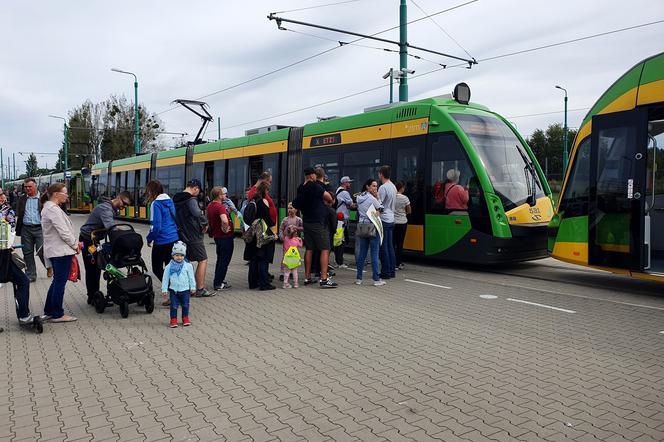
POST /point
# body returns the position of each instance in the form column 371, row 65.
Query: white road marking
column 541, row 305
column 488, row 296
column 428, row 283
column 574, row 295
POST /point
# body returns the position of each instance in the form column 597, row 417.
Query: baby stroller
column 121, row 250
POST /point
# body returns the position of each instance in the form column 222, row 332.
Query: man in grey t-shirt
column 387, row 194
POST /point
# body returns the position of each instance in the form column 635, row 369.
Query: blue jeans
column 388, row 258
column 259, row 276
column 179, row 299
column 224, row 254
column 56, row 292
column 365, row 245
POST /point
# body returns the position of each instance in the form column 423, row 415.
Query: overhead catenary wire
column 316, row 7
column 258, row 77
column 441, row 28
column 453, row 66
column 350, row 43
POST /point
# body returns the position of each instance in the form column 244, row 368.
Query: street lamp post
column 137, row 138
column 564, row 133
column 66, row 146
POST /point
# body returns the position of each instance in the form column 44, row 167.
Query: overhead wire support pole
column 403, row 51
column 279, row 20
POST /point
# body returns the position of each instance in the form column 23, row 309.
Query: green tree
column 31, row 168
column 547, row 145
column 118, row 133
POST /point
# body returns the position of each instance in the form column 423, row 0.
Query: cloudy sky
column 57, row 54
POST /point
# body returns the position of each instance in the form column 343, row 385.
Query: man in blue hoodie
column 163, row 230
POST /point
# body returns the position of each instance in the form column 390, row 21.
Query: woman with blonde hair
column 60, row 243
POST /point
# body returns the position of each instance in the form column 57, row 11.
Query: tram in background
column 78, row 182
column 509, row 200
column 611, row 210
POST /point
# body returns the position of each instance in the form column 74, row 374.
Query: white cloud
column 58, row 54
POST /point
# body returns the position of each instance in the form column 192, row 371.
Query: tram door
column 654, row 204
column 616, row 218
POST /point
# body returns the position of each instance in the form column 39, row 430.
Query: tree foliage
column 547, row 145
column 31, row 168
column 105, row 131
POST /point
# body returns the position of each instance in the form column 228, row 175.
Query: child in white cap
column 179, row 283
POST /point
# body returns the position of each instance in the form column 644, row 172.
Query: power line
column 547, row 113
column 315, row 7
column 441, row 28
column 573, row 40
column 350, row 43
column 315, row 56
column 453, row 66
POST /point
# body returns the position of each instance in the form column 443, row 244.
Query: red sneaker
column 185, row 321
column 174, row 323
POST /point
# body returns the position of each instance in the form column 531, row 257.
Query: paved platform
column 559, row 354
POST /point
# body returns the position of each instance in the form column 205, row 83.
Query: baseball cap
column 195, row 183
column 309, row 171
column 346, row 179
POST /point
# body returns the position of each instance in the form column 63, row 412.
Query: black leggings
column 161, row 255
column 399, row 237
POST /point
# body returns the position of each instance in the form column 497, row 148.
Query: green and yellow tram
column 78, row 183
column 611, row 210
column 509, row 200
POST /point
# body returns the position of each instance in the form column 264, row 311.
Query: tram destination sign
column 325, row 140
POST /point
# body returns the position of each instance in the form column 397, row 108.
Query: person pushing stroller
column 179, row 284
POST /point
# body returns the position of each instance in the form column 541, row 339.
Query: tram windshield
column 504, row 158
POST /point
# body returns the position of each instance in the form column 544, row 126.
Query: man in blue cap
column 192, row 225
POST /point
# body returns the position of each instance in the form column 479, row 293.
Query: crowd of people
column 178, row 227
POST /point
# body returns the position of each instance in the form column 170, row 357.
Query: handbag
column 74, row 270
column 365, row 230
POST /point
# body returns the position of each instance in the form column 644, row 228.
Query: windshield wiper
column 529, row 169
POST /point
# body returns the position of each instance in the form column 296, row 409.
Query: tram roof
column 642, row 84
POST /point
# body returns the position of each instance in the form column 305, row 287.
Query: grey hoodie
column 189, row 217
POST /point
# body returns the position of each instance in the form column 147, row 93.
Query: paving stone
column 346, row 364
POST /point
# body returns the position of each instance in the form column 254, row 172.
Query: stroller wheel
column 99, row 302
column 149, row 302
column 37, row 325
column 124, row 309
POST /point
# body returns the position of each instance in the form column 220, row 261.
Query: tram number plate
column 630, row 189
column 325, row 140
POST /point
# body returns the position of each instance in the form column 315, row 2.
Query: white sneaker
column 358, row 282
column 379, row 283
column 343, row 266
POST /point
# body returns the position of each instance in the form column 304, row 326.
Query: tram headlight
column 462, row 93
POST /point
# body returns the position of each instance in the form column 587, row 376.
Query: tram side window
column 328, row 161
column 102, row 183
column 271, row 164
column 574, row 202
column 238, row 180
column 219, row 178
column 409, row 169
column 198, row 171
column 142, row 180
column 360, row 166
column 131, row 182
column 172, row 178
column 449, row 160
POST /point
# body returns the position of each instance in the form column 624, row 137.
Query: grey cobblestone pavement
column 407, row 361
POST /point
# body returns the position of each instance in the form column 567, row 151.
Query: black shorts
column 196, row 251
column 316, row 237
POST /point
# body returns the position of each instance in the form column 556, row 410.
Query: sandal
column 65, row 318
